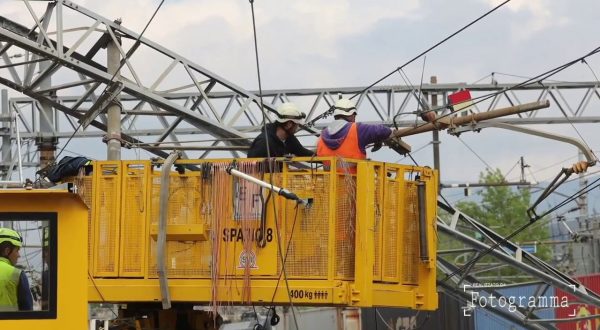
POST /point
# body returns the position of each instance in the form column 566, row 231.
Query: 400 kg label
column 309, row 294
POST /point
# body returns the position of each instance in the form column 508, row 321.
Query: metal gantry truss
column 55, row 57
column 45, row 60
column 142, row 122
column 478, row 245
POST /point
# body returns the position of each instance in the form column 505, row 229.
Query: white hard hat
column 344, row 107
column 289, row 111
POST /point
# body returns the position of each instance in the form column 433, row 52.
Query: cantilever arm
column 444, row 122
column 589, row 155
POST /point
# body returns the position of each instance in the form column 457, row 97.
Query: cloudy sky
column 341, row 43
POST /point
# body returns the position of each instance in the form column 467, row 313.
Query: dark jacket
column 277, row 148
column 24, row 294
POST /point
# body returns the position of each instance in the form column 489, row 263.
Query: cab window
column 28, row 262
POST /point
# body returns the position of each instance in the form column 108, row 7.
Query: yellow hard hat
column 9, row 235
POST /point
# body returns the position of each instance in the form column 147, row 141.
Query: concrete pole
column 5, row 134
column 436, row 134
column 114, row 109
column 46, row 140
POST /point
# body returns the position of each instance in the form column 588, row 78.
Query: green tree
column 504, row 210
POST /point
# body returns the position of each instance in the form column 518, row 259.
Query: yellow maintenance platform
column 363, row 236
column 358, row 243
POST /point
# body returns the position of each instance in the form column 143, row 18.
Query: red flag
column 460, row 100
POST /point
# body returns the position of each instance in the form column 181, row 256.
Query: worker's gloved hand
column 377, row 146
column 580, row 167
column 428, row 116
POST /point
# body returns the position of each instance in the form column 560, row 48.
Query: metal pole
column 522, row 161
column 5, row 132
column 21, row 180
column 280, row 191
column 583, row 199
column 436, row 134
column 113, row 129
column 46, row 141
column 423, row 248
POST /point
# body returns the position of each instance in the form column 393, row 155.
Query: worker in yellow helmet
column 14, row 286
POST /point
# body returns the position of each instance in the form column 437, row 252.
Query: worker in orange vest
column 344, row 137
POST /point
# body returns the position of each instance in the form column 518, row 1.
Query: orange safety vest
column 348, row 149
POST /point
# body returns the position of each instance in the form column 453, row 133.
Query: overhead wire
column 487, row 251
column 571, row 198
column 583, row 175
column 554, row 164
column 512, row 168
column 480, row 79
column 270, row 164
column 590, row 67
column 407, row 81
column 284, row 260
column 570, row 240
column 524, row 77
column 482, row 254
column 431, row 48
column 122, row 62
column 100, row 293
column 415, row 151
column 535, row 80
column 570, row 122
column 475, row 153
column 531, row 173
column 382, row 319
column 398, row 69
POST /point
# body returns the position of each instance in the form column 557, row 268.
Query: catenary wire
column 475, row 153
column 431, row 48
column 415, row 151
column 382, row 319
column 535, row 80
column 590, row 67
column 284, row 260
column 516, row 232
column 270, row 164
column 480, row 79
column 398, row 69
column 524, row 77
column 512, row 168
column 571, row 198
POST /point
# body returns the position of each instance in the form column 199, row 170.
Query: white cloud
column 539, row 16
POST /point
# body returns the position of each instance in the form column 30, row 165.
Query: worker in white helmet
column 346, row 138
column 281, row 139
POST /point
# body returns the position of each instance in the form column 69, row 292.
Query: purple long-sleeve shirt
column 335, row 134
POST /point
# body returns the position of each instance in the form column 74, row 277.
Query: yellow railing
column 358, row 243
